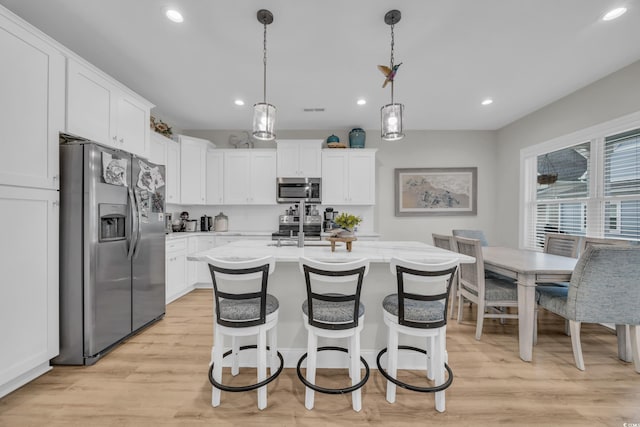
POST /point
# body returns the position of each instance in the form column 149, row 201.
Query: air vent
column 313, row 110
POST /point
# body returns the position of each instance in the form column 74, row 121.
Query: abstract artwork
column 436, row 191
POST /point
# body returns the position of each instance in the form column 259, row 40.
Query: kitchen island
column 287, row 284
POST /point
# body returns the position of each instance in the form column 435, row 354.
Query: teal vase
column 356, row 138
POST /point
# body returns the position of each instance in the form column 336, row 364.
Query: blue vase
column 356, row 138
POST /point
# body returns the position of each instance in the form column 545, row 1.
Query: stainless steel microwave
column 293, row 190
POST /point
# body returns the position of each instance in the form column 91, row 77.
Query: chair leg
column 567, row 328
column 439, row 348
column 431, row 348
column 356, row 396
column 312, row 357
column 634, row 331
column 262, row 368
column 235, row 356
column 350, row 355
column 535, row 326
column 575, row 343
column 460, row 307
column 218, row 349
column 392, row 363
column 480, row 320
column 273, row 352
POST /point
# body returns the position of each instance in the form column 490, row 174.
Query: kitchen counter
column 287, row 284
column 182, row 234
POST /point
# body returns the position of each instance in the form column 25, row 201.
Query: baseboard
column 26, row 377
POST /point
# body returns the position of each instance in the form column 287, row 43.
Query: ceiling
column 323, row 54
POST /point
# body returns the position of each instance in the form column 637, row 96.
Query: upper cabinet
column 250, row 177
column 172, row 171
column 193, row 170
column 215, row 177
column 349, row 176
column 158, row 148
column 299, row 158
column 31, row 106
column 100, row 110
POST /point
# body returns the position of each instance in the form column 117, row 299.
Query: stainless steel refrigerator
column 112, row 249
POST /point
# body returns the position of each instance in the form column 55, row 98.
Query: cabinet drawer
column 176, row 245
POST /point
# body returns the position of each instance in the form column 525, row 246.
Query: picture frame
column 436, row 191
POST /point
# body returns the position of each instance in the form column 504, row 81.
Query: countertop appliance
column 329, row 216
column 289, row 225
column 293, row 190
column 112, row 246
column 206, row 223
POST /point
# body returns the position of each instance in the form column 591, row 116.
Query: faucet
column 301, row 212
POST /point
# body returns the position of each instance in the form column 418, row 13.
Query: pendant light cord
column 391, row 61
column 264, row 61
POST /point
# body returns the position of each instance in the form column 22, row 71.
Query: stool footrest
column 333, row 390
column 409, row 386
column 250, row 387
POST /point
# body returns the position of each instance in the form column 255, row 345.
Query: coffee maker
column 206, row 223
column 329, row 216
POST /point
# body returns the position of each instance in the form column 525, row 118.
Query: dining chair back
column 603, row 289
column 446, row 242
column 489, row 293
column 562, row 244
column 588, row 241
column 471, row 234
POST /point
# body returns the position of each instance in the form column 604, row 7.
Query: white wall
column 418, row 149
column 613, row 96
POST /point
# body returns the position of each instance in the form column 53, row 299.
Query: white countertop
column 183, row 234
column 375, row 251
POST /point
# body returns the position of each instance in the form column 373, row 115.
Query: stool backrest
column 422, row 281
column 443, row 241
column 334, row 282
column 241, row 279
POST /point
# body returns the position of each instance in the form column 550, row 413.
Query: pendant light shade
column 264, row 114
column 391, row 114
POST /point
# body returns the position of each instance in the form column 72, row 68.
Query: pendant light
column 391, row 114
column 264, row 114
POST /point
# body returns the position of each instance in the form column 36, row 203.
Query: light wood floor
column 159, row 377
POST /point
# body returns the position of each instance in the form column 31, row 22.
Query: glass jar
column 356, row 138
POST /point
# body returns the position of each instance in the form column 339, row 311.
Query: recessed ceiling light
column 487, row 101
column 361, row 101
column 174, row 15
column 238, row 102
column 615, row 13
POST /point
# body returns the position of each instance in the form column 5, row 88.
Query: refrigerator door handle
column 139, row 221
column 134, row 225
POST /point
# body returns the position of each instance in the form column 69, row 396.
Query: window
column 586, row 183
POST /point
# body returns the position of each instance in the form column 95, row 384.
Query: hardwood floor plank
column 159, row 378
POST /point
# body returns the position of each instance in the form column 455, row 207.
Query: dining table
column 528, row 268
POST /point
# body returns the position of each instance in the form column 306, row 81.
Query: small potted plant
column 347, row 222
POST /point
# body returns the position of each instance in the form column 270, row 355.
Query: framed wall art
column 436, row 191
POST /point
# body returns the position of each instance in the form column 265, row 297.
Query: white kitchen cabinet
column 172, row 171
column 29, row 301
column 299, row 158
column 250, row 177
column 192, row 267
column 100, row 110
column 158, row 148
column 203, row 274
column 349, row 176
column 32, row 103
column 215, row 177
column 193, row 170
column 176, row 268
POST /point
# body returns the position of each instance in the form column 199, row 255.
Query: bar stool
column 241, row 311
column 419, row 309
column 333, row 310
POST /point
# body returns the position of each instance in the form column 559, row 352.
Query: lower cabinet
column 29, row 299
column 176, row 265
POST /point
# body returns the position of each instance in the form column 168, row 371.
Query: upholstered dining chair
column 588, row 241
column 562, row 244
column 446, row 242
column 471, row 234
column 603, row 289
column 489, row 293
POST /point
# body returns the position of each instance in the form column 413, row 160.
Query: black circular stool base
column 333, row 390
column 250, row 387
column 409, row 386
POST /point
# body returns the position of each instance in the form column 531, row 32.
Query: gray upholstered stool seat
column 417, row 311
column 332, row 312
column 248, row 309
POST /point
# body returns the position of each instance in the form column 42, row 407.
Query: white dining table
column 528, row 268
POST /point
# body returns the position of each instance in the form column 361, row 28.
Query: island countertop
column 374, row 251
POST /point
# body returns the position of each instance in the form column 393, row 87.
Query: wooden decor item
column 346, row 240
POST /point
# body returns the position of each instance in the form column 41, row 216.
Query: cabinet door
column 158, row 149
column 361, row 178
column 176, row 275
column 334, row 177
column 263, row 178
column 310, row 159
column 132, row 125
column 193, row 175
column 29, row 294
column 287, row 159
column 237, row 177
column 215, row 177
column 172, row 172
column 89, row 105
column 192, row 266
column 31, row 108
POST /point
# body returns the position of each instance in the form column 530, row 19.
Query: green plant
column 348, row 221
